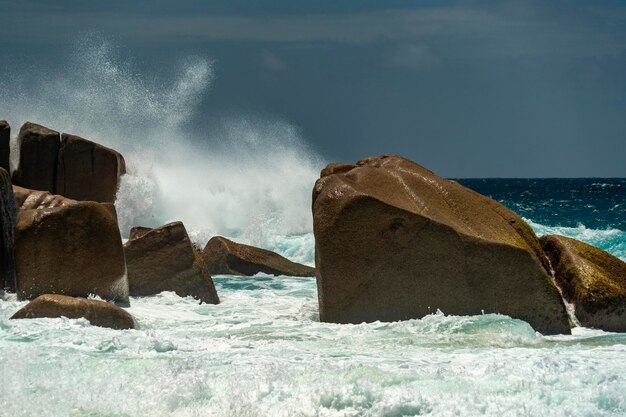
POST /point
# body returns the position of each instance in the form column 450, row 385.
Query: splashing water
column 251, row 181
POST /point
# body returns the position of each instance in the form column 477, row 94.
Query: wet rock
column 593, row 280
column 73, row 250
column 27, row 199
column 39, row 150
column 164, row 259
column 5, row 141
column 8, row 218
column 395, row 241
column 224, row 256
column 98, row 313
column 87, row 170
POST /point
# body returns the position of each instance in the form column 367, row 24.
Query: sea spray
column 250, row 179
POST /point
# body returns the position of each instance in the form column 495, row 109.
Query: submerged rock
column 39, row 150
column 98, row 313
column 74, row 250
column 394, row 241
column 27, row 199
column 165, row 259
column 5, row 143
column 224, row 256
column 8, row 219
column 87, row 170
column 593, row 280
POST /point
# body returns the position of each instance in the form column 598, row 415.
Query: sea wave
column 249, row 177
column 610, row 240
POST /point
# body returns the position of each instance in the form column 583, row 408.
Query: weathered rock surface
column 223, row 256
column 68, row 165
column 8, row 219
column 27, row 199
column 39, row 150
column 5, row 141
column 164, row 259
column 98, row 313
column 138, row 231
column 73, row 250
column 87, row 170
column 591, row 279
column 395, row 241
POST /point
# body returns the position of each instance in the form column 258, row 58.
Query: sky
column 467, row 88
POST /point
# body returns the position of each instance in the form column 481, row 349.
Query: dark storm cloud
column 491, row 88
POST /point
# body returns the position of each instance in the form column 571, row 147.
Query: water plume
column 249, row 179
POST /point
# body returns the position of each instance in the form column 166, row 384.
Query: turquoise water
column 263, row 352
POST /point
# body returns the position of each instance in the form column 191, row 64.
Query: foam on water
column 262, row 352
column 611, row 240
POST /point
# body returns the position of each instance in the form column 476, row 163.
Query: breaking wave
column 250, row 179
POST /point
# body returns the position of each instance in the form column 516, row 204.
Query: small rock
column 223, row 256
column 98, row 313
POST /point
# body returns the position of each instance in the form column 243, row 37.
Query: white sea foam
column 262, row 352
column 251, row 179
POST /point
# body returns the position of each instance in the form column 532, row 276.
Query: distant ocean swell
column 611, row 240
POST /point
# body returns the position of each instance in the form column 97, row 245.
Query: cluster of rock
column 394, row 241
column 61, row 241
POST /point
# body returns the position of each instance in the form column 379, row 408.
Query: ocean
column 263, row 351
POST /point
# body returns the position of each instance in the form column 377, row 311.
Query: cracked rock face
column 395, row 241
column 68, row 165
column 593, row 280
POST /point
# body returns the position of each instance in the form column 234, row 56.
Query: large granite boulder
column 68, row 165
column 8, row 219
column 164, row 259
column 27, row 199
column 73, row 250
column 224, row 256
column 39, row 150
column 98, row 313
column 394, row 241
column 5, row 145
column 593, row 280
column 87, row 170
